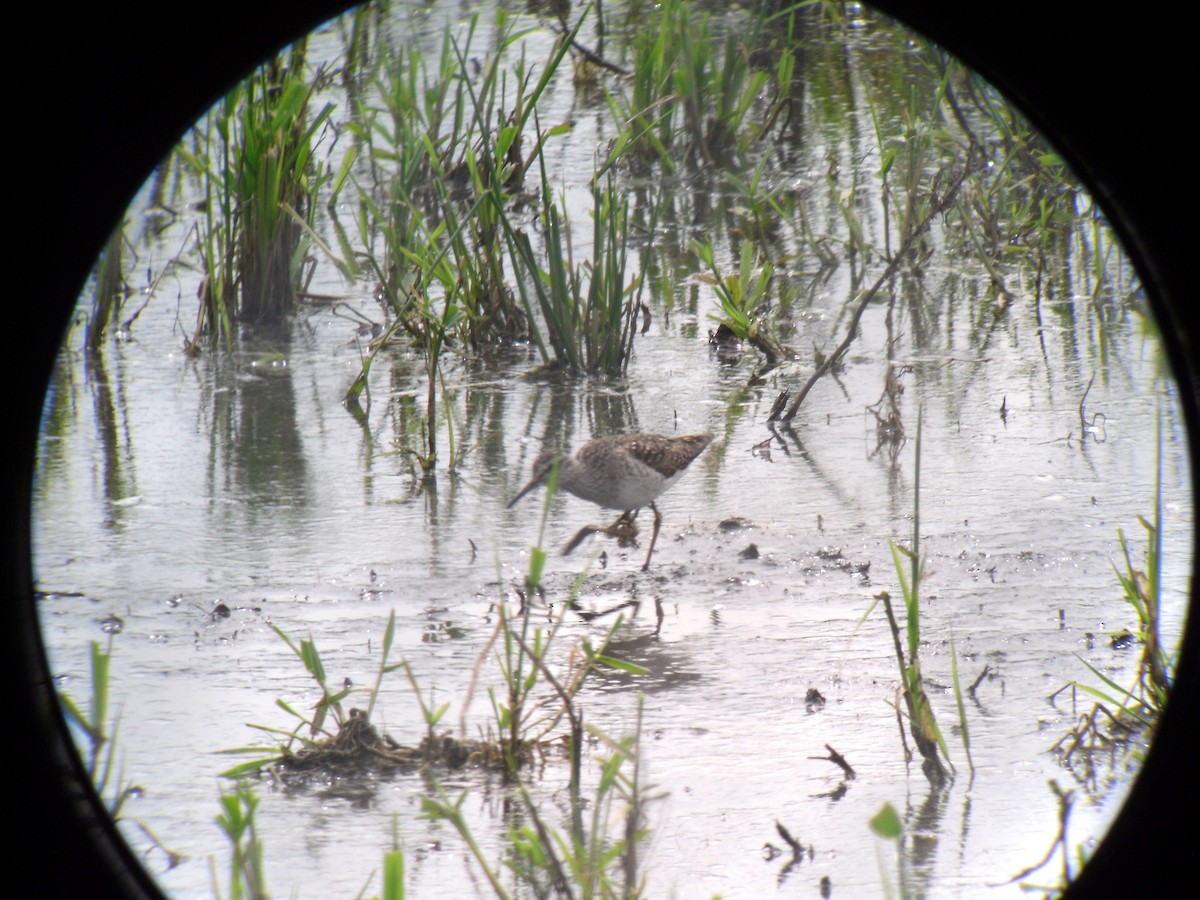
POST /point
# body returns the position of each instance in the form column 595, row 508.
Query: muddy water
column 169, row 485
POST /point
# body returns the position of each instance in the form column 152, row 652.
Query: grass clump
column 247, row 878
column 254, row 157
column 1121, row 714
column 587, row 310
column 922, row 724
column 744, row 299
column 99, row 730
column 696, row 98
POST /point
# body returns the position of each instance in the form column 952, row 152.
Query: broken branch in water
column 940, row 205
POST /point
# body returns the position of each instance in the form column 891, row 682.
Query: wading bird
column 625, row 472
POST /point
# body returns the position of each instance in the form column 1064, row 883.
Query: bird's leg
column 653, row 537
column 583, row 533
column 623, row 530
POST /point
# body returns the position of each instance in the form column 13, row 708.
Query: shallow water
column 168, row 484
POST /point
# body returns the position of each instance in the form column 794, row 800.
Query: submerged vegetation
column 810, row 203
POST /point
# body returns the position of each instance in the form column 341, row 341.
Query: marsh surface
column 169, row 484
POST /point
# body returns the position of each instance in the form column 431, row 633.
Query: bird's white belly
column 628, row 494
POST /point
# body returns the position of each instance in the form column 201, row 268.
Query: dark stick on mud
column 976, row 683
column 835, row 757
column 797, row 847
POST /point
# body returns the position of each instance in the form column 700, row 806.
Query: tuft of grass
column 588, row 310
column 100, row 732
column 693, row 97
column 247, row 878
column 593, row 856
column 922, row 723
column 1142, row 589
column 274, row 187
column 963, row 728
column 255, row 158
column 429, row 175
column 1121, row 713
column 393, row 875
column 331, row 700
column 743, row 297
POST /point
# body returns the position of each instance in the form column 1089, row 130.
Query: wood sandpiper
column 625, row 472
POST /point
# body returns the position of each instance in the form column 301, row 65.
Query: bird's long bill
column 534, row 482
column 542, row 474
